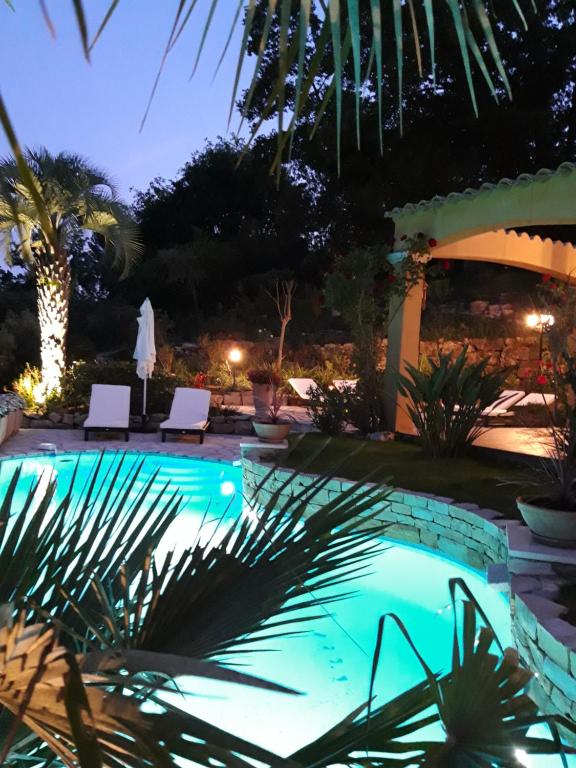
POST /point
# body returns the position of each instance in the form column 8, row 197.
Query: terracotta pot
column 272, row 433
column 263, row 395
column 555, row 527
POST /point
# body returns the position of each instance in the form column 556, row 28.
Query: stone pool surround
column 482, row 539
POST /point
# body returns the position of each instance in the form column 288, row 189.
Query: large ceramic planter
column 263, row 396
column 555, row 527
column 271, row 433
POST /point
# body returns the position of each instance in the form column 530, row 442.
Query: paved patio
column 223, row 447
column 512, row 440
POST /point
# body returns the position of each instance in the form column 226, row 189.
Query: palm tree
column 74, row 196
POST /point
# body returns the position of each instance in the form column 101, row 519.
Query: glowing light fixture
column 227, row 488
column 543, row 322
column 538, row 320
column 235, row 355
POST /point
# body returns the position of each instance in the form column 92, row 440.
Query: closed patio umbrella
column 145, row 351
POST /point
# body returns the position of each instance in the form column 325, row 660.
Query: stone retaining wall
column 480, row 538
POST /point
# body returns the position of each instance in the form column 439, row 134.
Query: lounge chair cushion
column 189, row 409
column 302, row 387
column 109, row 407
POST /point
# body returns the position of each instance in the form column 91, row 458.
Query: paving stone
column 403, row 532
column 428, row 538
column 553, row 637
column 423, row 513
column 439, row 506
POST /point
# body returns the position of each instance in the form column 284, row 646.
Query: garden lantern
column 234, row 357
column 544, row 323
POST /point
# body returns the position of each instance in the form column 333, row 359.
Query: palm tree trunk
column 52, row 273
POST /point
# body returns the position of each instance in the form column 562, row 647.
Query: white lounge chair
column 343, row 384
column 537, row 398
column 109, row 410
column 303, row 387
column 188, row 414
column 501, row 406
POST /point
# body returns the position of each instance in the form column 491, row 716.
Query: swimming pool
column 331, row 663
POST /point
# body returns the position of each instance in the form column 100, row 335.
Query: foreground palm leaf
column 480, row 703
column 345, row 31
column 81, row 717
column 253, row 579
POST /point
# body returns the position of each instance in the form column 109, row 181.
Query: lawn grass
column 490, row 483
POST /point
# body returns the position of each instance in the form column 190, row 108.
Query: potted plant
column 264, row 382
column 273, row 428
column 551, row 512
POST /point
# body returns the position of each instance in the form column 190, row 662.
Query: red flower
column 546, row 278
column 541, row 380
column 432, row 242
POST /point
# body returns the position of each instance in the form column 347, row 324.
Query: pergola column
column 403, row 347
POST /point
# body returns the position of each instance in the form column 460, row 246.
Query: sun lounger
column 188, row 414
column 109, row 410
column 345, row 384
column 502, row 406
column 537, row 398
column 303, row 387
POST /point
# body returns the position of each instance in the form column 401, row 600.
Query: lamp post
column 234, row 357
column 543, row 322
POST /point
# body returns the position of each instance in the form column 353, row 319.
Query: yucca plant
column 446, row 402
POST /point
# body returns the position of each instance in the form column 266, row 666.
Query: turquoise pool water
column 331, row 663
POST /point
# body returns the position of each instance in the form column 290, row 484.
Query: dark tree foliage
column 230, row 221
column 444, row 147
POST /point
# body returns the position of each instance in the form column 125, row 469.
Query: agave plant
column 447, row 402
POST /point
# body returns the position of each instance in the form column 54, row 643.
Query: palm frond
column 256, row 577
column 82, row 719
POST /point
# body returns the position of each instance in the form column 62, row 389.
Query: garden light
column 543, row 322
column 235, row 355
column 538, row 320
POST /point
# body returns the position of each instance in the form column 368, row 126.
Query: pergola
column 475, row 225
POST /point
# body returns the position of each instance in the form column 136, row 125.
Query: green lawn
column 492, row 484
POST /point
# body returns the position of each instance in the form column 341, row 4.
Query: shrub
column 29, row 385
column 366, row 404
column 328, row 409
column 78, row 380
column 446, row 403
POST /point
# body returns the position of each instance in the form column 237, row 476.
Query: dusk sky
column 55, row 98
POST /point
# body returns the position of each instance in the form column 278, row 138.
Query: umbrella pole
column 144, row 402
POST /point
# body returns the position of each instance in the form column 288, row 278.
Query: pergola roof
column 544, row 198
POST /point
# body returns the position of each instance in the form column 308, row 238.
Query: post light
column 234, row 357
column 542, row 321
